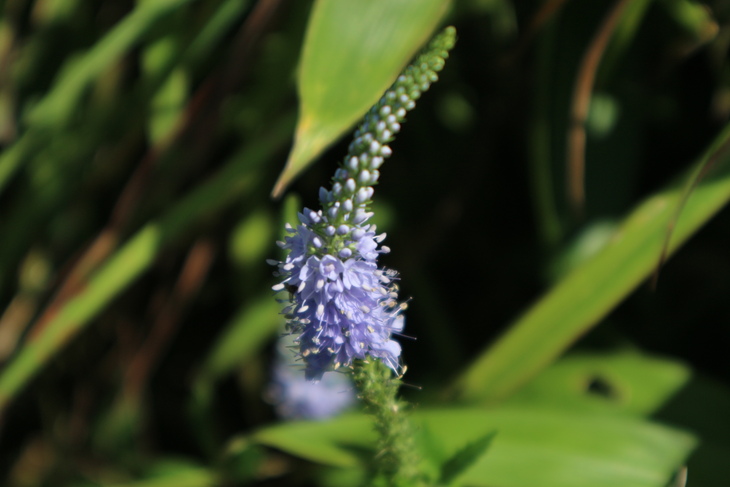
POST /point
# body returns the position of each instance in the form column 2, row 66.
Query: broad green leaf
column 352, row 52
column 621, row 382
column 589, row 292
column 532, row 446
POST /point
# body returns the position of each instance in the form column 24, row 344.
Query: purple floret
column 341, row 309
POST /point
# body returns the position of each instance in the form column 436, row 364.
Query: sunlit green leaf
column 352, row 52
column 622, row 382
column 583, row 297
column 532, row 446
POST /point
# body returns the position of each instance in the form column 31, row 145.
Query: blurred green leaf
column 622, row 382
column 76, row 75
column 136, row 256
column 251, row 239
column 533, row 447
column 63, row 100
column 623, row 37
column 352, row 52
column 173, row 473
column 253, row 324
column 335, row 442
column 256, row 320
column 169, row 102
column 463, row 459
column 695, row 19
column 582, row 298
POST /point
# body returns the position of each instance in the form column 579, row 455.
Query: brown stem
column 167, row 319
column 546, row 12
column 580, row 104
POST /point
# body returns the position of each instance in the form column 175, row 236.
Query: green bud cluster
column 346, row 204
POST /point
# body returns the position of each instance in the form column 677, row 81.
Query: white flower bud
column 364, row 177
column 350, row 186
column 361, row 196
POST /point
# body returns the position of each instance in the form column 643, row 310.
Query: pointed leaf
column 465, row 458
column 581, row 299
column 352, row 53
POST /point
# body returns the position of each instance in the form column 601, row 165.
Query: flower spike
column 343, row 306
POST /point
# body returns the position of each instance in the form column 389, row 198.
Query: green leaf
column 168, row 103
column 136, row 256
column 59, row 105
column 243, row 336
column 465, row 458
column 78, row 73
column 353, row 51
column 173, row 473
column 332, row 442
column 583, row 297
column 625, row 382
column 534, row 447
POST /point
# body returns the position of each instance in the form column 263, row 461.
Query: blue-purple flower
column 295, row 397
column 342, row 306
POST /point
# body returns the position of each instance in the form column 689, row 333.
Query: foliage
column 532, row 202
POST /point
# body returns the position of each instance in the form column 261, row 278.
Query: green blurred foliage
column 139, row 144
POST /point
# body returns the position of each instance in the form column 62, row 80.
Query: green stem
column 396, row 462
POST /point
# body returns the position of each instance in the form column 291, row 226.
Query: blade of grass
column 202, row 111
column 135, row 257
column 56, row 108
column 78, row 73
column 587, row 294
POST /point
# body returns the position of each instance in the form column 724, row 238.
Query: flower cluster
column 294, row 397
column 342, row 306
column 297, row 398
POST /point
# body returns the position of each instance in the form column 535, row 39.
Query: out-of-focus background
column 530, row 196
